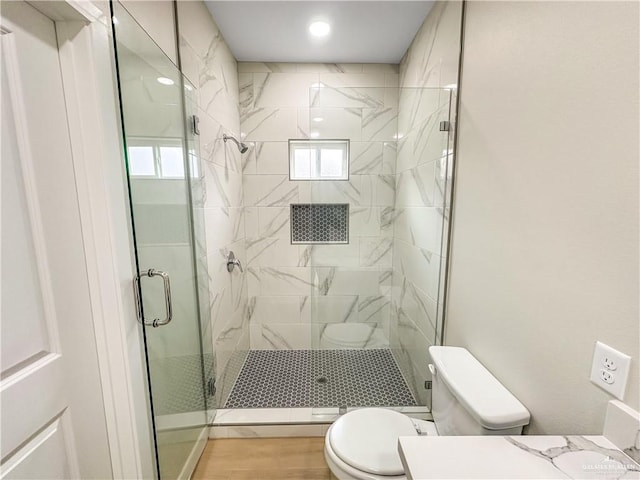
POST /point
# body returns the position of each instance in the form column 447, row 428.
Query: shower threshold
column 237, row 417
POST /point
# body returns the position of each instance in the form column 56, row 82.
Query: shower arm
column 226, row 137
column 241, row 146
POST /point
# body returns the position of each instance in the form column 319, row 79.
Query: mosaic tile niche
column 319, row 223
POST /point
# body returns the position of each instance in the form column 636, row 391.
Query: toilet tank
column 468, row 400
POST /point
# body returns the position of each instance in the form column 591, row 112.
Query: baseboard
column 196, row 452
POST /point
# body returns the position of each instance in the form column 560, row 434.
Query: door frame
column 88, row 75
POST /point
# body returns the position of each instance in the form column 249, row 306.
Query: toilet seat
column 367, row 440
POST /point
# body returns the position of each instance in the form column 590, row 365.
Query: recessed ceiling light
column 319, row 29
column 165, row 81
column 318, row 119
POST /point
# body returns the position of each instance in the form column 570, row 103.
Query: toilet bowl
column 467, row 400
column 362, row 444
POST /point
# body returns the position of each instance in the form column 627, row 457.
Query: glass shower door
column 163, row 178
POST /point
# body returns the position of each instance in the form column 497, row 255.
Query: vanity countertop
column 515, row 457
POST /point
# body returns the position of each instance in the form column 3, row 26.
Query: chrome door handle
column 156, row 322
column 233, row 262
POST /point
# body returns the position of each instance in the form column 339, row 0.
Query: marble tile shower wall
column 210, row 66
column 296, row 290
column 427, row 73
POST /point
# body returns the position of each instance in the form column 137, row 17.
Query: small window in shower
column 319, row 159
column 157, row 158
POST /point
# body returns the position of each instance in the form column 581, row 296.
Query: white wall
column 545, row 226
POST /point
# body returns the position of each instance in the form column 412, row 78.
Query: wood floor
column 294, row 458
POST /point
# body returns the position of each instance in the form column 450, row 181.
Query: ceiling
column 277, row 31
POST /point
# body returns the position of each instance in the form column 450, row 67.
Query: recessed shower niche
column 324, row 223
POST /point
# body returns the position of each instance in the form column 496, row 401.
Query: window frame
column 344, row 142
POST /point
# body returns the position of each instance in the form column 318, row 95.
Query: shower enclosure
column 336, row 210
column 350, row 296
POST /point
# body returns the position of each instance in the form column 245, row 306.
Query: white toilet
column 466, row 400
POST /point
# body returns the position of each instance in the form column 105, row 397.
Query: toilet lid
column 367, row 439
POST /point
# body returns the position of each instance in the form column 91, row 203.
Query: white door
column 52, row 414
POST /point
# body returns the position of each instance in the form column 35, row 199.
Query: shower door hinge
column 445, row 126
column 211, row 387
column 195, row 125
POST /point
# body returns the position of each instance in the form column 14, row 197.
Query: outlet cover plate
column 616, row 364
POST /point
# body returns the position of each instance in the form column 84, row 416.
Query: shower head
column 241, row 146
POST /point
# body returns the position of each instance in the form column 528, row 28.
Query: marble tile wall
column 211, row 70
column 295, row 291
column 428, row 74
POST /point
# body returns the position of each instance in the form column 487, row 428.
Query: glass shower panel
column 421, row 166
column 198, row 199
column 444, row 184
column 374, row 301
column 164, row 183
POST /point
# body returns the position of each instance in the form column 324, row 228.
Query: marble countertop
column 515, row 457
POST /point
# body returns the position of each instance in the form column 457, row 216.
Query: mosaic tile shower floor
column 320, row 378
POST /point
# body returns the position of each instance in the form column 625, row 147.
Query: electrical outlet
column 609, row 363
column 607, row 377
column 610, row 369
